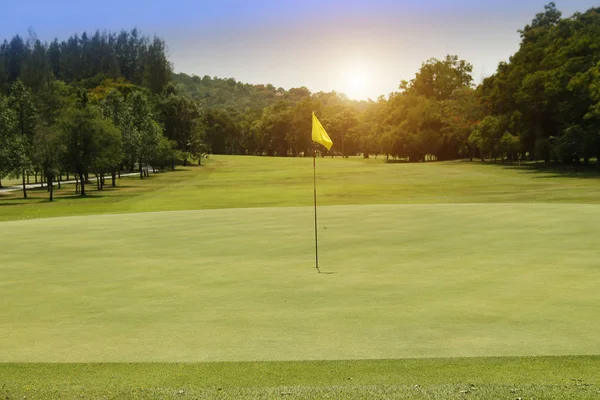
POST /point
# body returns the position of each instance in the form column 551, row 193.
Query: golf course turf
column 441, row 280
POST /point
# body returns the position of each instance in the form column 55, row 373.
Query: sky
column 361, row 48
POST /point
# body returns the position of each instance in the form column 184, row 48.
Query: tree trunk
column 35, row 177
column 114, row 178
column 141, row 171
column 24, row 186
column 51, row 186
column 67, row 175
column 82, row 181
column 0, row 182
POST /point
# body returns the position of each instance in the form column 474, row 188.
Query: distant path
column 39, row 185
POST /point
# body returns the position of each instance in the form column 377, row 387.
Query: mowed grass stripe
column 240, row 285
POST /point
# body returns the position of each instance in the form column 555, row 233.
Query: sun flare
column 356, row 82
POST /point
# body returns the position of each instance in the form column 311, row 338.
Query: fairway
column 440, row 281
column 258, row 182
column 432, row 280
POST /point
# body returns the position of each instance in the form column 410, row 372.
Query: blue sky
column 362, row 48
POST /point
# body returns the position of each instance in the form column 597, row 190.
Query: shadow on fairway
column 15, row 201
column 552, row 170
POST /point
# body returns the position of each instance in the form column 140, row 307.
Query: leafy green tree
column 21, row 101
column 487, row 137
column 83, row 133
column 108, row 154
column 8, row 131
column 509, row 147
column 549, row 84
column 438, row 79
column 163, row 153
column 179, row 116
column 47, row 152
column 144, row 133
column 460, row 115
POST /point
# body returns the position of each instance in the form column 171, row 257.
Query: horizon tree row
column 84, row 135
column 543, row 104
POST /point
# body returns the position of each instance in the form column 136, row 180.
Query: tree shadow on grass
column 550, row 171
column 78, row 197
column 19, row 201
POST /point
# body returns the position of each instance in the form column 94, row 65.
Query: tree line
column 92, row 105
column 542, row 104
column 107, row 102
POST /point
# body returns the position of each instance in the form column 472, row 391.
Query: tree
column 163, row 153
column 180, row 119
column 16, row 55
column 114, row 108
column 460, row 115
column 549, row 83
column 438, row 79
column 20, row 100
column 47, row 153
column 487, row 136
column 8, row 129
column 108, row 154
column 509, row 146
column 83, row 132
column 36, row 70
column 156, row 67
column 146, row 131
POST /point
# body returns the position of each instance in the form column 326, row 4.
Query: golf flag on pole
column 318, row 133
column 318, row 136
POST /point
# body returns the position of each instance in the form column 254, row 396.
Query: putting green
column 239, row 284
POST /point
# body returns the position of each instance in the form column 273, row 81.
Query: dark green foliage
column 544, row 104
column 548, row 87
column 180, row 118
column 227, row 93
column 91, row 143
column 129, row 55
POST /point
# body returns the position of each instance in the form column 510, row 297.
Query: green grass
column 484, row 378
column 233, row 182
column 422, row 261
column 240, row 285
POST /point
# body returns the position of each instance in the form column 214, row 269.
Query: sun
column 356, row 80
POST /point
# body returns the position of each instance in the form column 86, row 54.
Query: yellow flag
column 319, row 135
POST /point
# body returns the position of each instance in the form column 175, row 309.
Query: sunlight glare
column 356, row 82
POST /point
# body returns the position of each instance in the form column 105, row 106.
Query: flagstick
column 315, row 193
